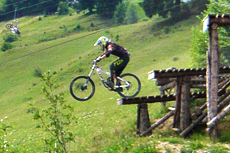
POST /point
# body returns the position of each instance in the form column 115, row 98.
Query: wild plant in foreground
column 55, row 119
column 3, row 133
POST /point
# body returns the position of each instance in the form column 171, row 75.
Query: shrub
column 38, row 72
column 166, row 29
column 91, row 25
column 71, row 11
column 77, row 28
column 6, row 46
column 117, row 37
column 10, row 38
column 175, row 58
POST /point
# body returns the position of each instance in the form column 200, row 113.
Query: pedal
column 119, row 89
column 110, row 89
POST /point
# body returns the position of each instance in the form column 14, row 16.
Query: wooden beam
column 147, row 99
column 216, row 119
column 183, row 72
column 221, row 20
column 167, row 116
column 200, row 118
column 188, row 129
column 165, row 98
column 168, row 86
column 154, row 99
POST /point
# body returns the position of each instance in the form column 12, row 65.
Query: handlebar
column 95, row 62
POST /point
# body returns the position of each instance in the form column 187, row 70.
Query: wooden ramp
column 182, row 80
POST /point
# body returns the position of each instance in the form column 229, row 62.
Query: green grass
column 102, row 125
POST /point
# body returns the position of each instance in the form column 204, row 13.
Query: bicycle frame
column 14, row 23
column 100, row 71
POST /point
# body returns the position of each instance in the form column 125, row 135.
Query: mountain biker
column 118, row 65
column 14, row 29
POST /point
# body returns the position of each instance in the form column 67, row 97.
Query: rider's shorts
column 119, row 65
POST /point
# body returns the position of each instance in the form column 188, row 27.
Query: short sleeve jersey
column 117, row 50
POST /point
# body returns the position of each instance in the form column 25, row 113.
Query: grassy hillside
column 54, row 43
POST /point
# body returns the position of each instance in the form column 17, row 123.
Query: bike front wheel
column 133, row 88
column 82, row 88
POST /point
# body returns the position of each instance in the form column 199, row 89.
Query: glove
column 98, row 59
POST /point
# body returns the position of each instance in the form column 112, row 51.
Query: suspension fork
column 89, row 75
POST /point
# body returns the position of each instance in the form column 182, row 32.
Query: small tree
column 63, row 8
column 131, row 14
column 56, row 118
column 119, row 14
column 106, row 8
column 199, row 47
column 87, row 4
column 200, row 40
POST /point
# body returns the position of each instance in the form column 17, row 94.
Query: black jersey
column 117, row 50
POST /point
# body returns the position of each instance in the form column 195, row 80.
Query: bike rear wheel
column 82, row 88
column 133, row 89
column 8, row 26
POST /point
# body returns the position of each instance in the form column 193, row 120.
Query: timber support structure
column 182, row 80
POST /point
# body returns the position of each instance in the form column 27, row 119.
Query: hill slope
column 56, row 44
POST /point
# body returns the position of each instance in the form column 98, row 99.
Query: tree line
column 105, row 8
column 14, row 9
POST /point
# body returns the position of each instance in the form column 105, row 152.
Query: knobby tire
column 133, row 90
column 76, row 88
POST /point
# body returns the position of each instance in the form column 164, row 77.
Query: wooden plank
column 179, row 73
column 154, row 99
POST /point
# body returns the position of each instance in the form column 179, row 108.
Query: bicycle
column 14, row 23
column 82, row 88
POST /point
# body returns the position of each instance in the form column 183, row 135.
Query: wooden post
column 163, row 93
column 176, row 119
column 138, row 118
column 144, row 122
column 212, row 77
column 185, row 114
